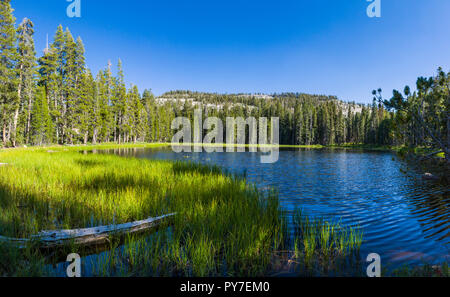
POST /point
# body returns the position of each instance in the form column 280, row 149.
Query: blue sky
column 257, row 46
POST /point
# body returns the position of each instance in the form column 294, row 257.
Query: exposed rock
column 429, row 176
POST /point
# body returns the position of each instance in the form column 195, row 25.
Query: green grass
column 105, row 146
column 325, row 247
column 222, row 224
column 368, row 147
column 225, row 145
column 223, row 227
column 88, row 147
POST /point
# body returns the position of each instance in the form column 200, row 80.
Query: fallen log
column 86, row 237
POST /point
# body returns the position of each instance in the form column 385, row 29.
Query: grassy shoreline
column 223, row 227
column 220, row 218
column 158, row 145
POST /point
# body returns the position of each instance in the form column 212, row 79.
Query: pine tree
column 59, row 96
column 26, row 70
column 8, row 72
column 103, row 110
column 41, row 122
column 137, row 116
column 120, row 104
column 85, row 105
column 68, row 95
column 74, row 69
column 148, row 101
column 48, row 80
column 79, row 91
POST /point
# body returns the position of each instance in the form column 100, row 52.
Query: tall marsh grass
column 323, row 246
column 223, row 225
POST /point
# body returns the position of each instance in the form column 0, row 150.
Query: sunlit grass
column 222, row 224
column 319, row 244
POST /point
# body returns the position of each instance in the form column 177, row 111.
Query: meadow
column 223, row 227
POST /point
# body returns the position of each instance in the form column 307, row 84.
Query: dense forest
column 304, row 119
column 422, row 118
column 55, row 99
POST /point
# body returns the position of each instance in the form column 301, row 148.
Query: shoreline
column 71, row 174
column 158, row 145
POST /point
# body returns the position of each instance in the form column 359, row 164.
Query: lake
column 405, row 219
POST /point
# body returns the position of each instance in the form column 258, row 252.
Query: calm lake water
column 404, row 218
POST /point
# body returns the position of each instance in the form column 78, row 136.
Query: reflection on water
column 405, row 219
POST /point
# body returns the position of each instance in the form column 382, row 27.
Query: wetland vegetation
column 223, row 226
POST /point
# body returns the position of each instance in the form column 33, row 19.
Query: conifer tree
column 85, row 105
column 120, row 104
column 8, row 72
column 48, row 80
column 137, row 116
column 27, row 71
column 41, row 122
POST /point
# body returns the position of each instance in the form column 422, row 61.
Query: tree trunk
column 16, row 112
column 29, row 118
column 94, row 136
column 14, row 128
column 115, row 127
column 4, row 131
column 8, row 135
column 97, row 236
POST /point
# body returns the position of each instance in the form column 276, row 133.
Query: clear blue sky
column 314, row 46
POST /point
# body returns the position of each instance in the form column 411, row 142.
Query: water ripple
column 405, row 219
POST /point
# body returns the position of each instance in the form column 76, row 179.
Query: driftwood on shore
column 88, row 236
